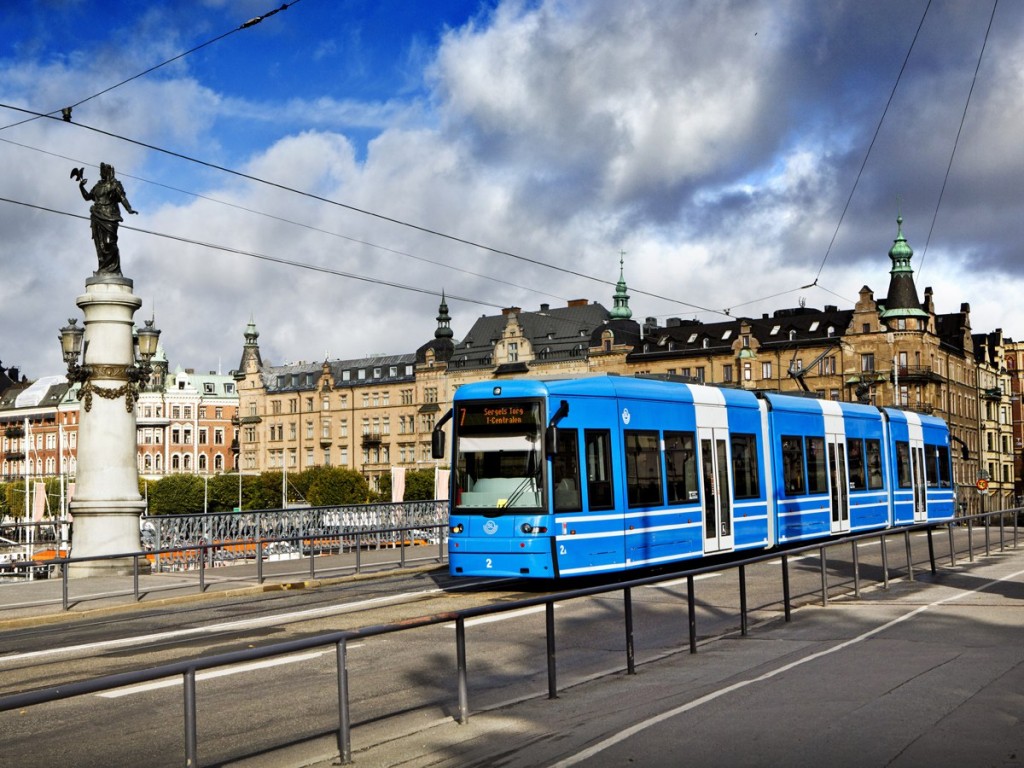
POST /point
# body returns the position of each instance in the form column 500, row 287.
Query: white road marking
column 500, row 616
column 211, row 674
column 642, row 726
column 677, row 582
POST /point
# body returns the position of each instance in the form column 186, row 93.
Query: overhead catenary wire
column 66, row 112
column 874, row 137
column 262, row 256
column 292, row 222
column 956, row 141
column 362, row 211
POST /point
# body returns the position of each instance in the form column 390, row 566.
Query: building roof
column 556, row 333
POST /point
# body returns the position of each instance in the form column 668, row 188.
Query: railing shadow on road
column 188, row 669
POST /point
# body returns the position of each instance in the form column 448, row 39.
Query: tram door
column 716, row 496
column 840, row 495
column 919, row 481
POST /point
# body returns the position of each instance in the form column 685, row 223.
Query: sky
column 329, row 171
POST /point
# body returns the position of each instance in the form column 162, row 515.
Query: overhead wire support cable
column 355, row 209
column 66, row 112
column 874, row 138
column 956, row 141
column 262, row 256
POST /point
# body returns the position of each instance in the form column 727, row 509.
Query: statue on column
column 107, row 194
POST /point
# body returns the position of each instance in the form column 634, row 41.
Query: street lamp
column 71, row 338
column 74, row 348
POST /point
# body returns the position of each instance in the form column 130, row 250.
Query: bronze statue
column 106, row 195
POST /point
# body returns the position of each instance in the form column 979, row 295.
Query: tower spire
column 620, row 309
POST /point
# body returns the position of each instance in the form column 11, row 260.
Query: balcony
column 993, row 393
column 14, row 432
column 371, row 439
column 912, row 373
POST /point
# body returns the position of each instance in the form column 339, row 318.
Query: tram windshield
column 498, row 455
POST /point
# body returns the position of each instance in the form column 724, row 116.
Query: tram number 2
column 562, row 550
column 490, row 563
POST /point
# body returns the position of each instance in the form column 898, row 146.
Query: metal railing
column 188, row 669
column 202, row 557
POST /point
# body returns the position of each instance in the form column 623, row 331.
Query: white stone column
column 107, row 504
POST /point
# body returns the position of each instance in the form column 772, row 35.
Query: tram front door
column 716, row 496
column 920, row 481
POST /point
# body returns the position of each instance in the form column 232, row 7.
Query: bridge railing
column 188, row 669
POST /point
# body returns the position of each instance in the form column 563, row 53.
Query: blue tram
column 576, row 476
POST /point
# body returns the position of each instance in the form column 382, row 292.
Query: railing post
column 549, row 622
column 460, row 658
column 64, row 585
column 312, row 558
column 885, row 563
column 856, row 568
column 691, row 611
column 785, row 587
column 135, row 576
column 259, row 560
column 359, row 550
column 1002, row 531
column 910, row 559
column 970, row 539
column 627, row 603
column 202, row 567
column 743, row 600
column 952, row 545
column 191, row 740
column 988, row 535
column 824, row 577
column 931, row 550
column 344, row 716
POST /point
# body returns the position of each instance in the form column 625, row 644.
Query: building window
column 766, row 370
column 867, row 362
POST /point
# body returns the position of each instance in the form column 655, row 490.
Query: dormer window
column 792, row 335
column 706, row 343
column 727, row 334
column 814, row 326
column 775, row 330
column 693, row 338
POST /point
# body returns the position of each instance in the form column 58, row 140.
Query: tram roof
column 608, row 386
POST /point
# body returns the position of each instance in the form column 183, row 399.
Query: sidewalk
column 926, row 673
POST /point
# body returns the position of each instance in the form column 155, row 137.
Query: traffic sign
column 982, row 484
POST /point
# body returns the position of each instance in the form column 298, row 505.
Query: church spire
column 444, row 320
column 620, row 309
column 901, row 300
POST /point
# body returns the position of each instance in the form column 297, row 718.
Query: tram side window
column 874, row 455
column 931, row 470
column 858, row 469
column 937, row 466
column 817, row 473
column 745, row 470
column 903, row 465
column 681, row 467
column 793, row 465
column 598, row 445
column 942, row 455
column 565, row 479
column 643, row 468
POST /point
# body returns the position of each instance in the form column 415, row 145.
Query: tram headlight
column 527, row 528
column 457, row 528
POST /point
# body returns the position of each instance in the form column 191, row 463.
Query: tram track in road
column 87, row 647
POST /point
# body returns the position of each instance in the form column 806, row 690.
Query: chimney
column 576, row 303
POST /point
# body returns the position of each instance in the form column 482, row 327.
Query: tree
column 419, row 485
column 176, row 495
column 336, row 485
